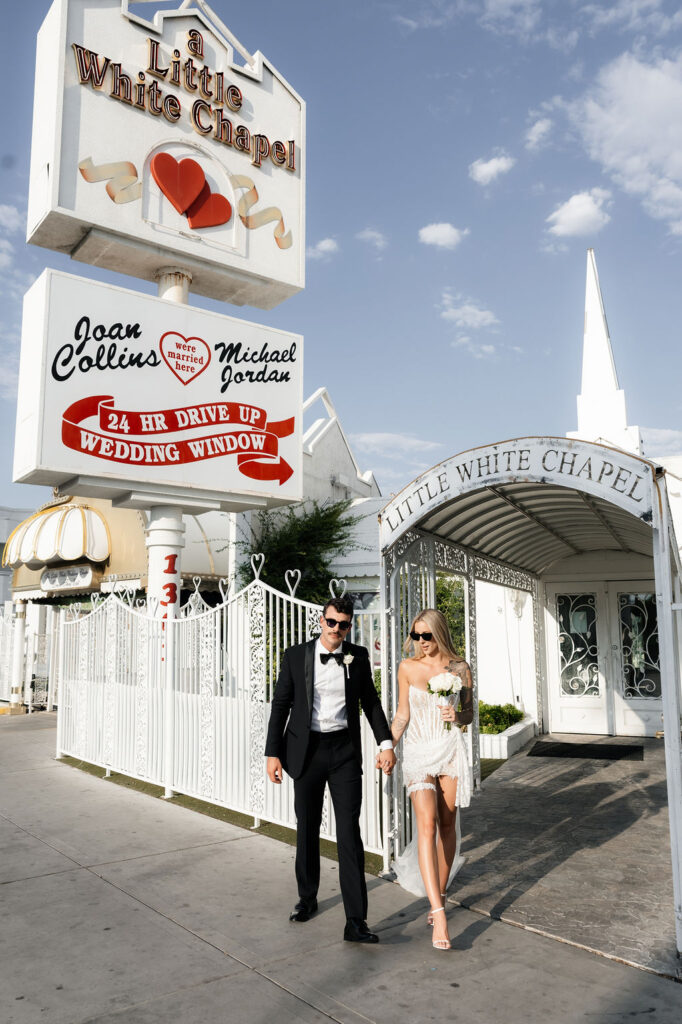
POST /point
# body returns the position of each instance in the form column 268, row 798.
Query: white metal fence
column 6, row 648
column 185, row 703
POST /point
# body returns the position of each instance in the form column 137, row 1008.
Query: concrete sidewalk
column 117, row 907
column 577, row 848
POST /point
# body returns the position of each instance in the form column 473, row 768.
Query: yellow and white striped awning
column 59, row 533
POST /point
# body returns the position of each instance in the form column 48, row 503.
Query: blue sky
column 461, row 158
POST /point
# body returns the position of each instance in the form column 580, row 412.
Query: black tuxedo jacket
column 292, row 704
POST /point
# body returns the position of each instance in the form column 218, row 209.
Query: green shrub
column 450, row 601
column 494, row 718
column 306, row 536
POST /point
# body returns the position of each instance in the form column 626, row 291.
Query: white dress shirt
column 329, row 696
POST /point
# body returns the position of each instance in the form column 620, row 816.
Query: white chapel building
column 556, row 542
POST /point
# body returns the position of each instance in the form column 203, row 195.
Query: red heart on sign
column 209, row 209
column 186, row 357
column 181, row 182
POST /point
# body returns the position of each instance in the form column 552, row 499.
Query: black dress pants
column 331, row 760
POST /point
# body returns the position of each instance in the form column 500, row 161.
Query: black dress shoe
column 356, row 930
column 303, row 911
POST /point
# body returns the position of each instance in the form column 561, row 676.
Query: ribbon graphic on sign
column 256, row 220
column 122, row 187
column 246, row 434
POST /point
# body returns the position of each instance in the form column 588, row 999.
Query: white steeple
column 601, row 403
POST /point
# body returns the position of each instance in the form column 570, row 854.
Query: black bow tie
column 336, row 655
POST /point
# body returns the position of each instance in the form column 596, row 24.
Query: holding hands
column 386, row 761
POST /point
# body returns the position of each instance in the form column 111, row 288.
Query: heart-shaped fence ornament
column 127, row 595
column 257, row 560
column 141, row 603
column 292, row 578
column 152, row 605
column 224, row 586
column 97, row 600
column 334, row 584
column 196, row 580
column 77, row 608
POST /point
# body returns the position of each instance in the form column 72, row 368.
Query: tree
column 450, row 601
column 308, row 537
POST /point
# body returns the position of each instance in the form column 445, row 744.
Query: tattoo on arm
column 398, row 727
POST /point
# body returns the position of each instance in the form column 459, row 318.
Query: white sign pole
column 165, row 531
column 165, row 541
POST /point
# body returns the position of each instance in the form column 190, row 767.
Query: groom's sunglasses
column 343, row 624
column 421, row 636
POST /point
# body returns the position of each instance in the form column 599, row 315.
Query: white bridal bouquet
column 445, row 685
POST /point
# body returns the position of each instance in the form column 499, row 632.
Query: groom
column 314, row 735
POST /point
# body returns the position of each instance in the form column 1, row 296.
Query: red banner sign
column 248, row 435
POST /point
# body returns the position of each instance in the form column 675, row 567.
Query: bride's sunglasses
column 343, row 624
column 421, row 636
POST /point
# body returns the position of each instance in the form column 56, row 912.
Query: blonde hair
column 438, row 625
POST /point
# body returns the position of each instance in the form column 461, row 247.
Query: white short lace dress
column 429, row 749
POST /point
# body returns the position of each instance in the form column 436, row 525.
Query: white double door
column 603, row 670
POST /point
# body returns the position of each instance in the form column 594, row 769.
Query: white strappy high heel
column 429, row 916
column 441, row 943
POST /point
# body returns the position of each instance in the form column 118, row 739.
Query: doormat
column 597, row 751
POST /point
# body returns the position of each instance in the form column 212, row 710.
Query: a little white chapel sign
column 606, row 473
column 163, row 140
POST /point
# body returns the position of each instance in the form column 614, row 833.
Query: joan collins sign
column 121, row 392
column 165, row 139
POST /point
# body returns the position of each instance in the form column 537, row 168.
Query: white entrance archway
column 511, row 513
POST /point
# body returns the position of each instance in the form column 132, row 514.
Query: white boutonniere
column 348, row 659
column 445, row 685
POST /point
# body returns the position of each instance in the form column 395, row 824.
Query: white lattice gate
column 185, row 704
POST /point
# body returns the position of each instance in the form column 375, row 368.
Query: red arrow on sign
column 259, row 469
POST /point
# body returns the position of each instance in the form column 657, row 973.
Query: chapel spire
column 601, row 403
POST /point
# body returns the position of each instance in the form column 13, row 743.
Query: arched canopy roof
column 531, row 501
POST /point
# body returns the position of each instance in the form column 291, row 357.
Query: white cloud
column 478, row 349
column 324, row 250
column 11, row 219
column 469, row 316
column 630, row 122
column 16, row 282
column 6, row 254
column 518, row 17
column 397, row 458
column 485, row 171
column 536, row 136
column 392, row 446
column 465, row 313
column 433, row 15
column 582, row 214
column 445, row 236
column 631, row 16
column 657, row 441
column 372, row 237
column 9, row 379
column 561, row 39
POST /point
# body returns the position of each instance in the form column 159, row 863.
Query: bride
column 435, row 764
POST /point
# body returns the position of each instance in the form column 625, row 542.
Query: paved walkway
column 118, row 908
column 579, row 849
